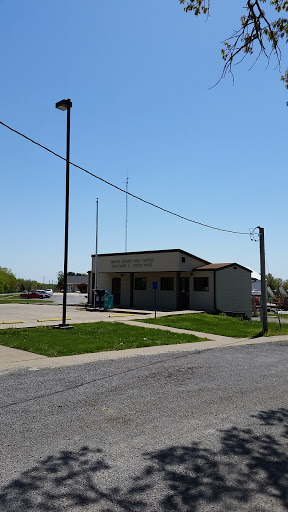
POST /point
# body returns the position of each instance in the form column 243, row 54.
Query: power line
column 121, row 189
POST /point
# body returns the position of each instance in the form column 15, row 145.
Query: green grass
column 84, row 338
column 218, row 324
column 282, row 315
column 15, row 299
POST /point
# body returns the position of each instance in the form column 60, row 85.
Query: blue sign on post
column 155, row 286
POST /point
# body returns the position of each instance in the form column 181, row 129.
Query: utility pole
column 263, row 309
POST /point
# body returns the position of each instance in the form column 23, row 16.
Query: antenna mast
column 126, row 221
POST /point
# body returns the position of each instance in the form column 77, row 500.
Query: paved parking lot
column 31, row 315
column 72, row 298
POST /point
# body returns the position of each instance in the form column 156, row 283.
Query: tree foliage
column 60, row 277
column 257, row 33
column 76, row 274
column 82, row 287
column 275, row 283
column 8, row 281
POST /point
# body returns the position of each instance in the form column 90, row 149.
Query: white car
column 49, row 291
column 44, row 292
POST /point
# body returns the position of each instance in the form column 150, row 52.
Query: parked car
column 24, row 295
column 32, row 295
column 44, row 292
column 50, row 291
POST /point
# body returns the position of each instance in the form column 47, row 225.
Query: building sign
column 162, row 261
column 132, row 263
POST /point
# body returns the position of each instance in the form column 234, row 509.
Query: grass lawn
column 94, row 337
column 218, row 324
column 281, row 315
column 15, row 299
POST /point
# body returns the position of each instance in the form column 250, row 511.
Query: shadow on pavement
column 247, row 471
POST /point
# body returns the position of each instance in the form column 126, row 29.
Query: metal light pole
column 66, row 105
column 96, row 257
column 263, row 282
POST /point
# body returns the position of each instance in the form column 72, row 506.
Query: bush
column 82, row 287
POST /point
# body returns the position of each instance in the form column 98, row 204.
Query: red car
column 32, row 295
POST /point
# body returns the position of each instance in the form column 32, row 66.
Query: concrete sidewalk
column 13, row 359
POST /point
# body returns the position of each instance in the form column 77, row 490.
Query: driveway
column 187, row 432
column 31, row 315
column 73, row 299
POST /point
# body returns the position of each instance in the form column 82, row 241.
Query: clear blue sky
column 138, row 75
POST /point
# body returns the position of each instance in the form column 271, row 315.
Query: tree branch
column 255, row 29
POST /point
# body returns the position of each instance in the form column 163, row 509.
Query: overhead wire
column 121, row 189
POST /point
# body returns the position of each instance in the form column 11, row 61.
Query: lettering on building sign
column 132, row 263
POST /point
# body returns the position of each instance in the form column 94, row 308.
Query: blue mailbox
column 108, row 302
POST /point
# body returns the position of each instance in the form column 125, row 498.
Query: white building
column 255, row 283
column 183, row 281
column 73, row 281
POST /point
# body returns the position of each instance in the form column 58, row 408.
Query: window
column 183, row 259
column 140, row 283
column 201, row 284
column 167, row 283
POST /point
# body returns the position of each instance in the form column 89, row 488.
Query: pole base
column 63, row 326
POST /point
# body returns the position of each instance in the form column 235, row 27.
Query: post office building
column 177, row 280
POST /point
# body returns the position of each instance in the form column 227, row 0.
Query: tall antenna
column 126, row 221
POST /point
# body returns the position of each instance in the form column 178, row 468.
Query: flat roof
column 151, row 252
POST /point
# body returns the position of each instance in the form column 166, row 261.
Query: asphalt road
column 178, row 432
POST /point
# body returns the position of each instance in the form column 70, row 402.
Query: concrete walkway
column 13, row 359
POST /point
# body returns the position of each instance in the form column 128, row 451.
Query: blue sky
column 138, row 75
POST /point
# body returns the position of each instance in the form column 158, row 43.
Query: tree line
column 276, row 283
column 10, row 283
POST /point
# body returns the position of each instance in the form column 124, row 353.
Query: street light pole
column 263, row 282
column 96, row 257
column 66, row 105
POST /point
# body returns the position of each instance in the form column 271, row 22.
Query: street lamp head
column 64, row 104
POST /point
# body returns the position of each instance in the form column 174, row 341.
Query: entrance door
column 116, row 290
column 184, row 293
